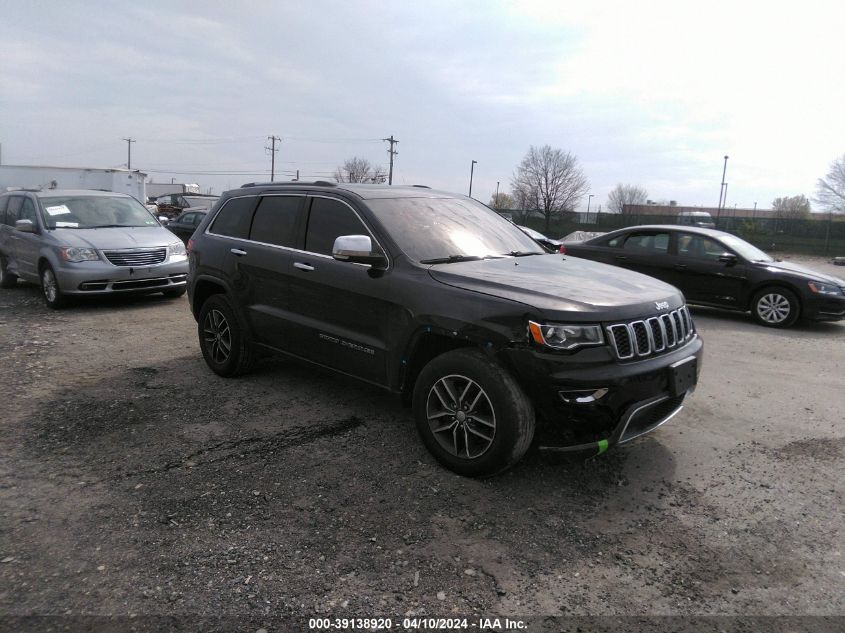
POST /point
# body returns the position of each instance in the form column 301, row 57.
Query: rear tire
column 775, row 307
column 471, row 413
column 7, row 279
column 53, row 296
column 223, row 340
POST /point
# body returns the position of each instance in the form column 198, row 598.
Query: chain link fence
column 822, row 236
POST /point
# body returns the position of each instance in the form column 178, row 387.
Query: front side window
column 697, row 246
column 432, row 229
column 27, row 212
column 94, row 212
column 13, row 209
column 647, row 243
column 234, row 218
column 276, row 219
column 327, row 221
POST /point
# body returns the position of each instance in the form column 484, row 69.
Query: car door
column 702, row 277
column 263, row 267
column 339, row 309
column 183, row 226
column 26, row 247
column 647, row 252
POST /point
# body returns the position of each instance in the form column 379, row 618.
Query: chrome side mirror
column 25, row 226
column 357, row 249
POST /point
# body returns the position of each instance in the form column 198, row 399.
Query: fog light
column 582, row 396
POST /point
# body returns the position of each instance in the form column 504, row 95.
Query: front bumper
column 633, row 397
column 824, row 307
column 99, row 277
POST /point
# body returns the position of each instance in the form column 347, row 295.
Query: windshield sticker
column 149, row 222
column 58, row 210
column 67, row 225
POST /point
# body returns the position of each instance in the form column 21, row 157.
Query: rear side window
column 647, row 243
column 188, row 218
column 13, row 209
column 329, row 219
column 234, row 218
column 276, row 219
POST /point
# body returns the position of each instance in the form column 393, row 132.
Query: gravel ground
column 135, row 481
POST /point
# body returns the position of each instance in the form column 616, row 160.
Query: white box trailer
column 156, row 189
column 43, row 177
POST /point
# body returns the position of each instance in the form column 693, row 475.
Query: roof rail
column 422, row 186
column 319, row 183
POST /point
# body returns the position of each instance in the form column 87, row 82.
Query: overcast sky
column 648, row 93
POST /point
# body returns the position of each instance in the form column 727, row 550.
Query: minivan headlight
column 565, row 336
column 76, row 254
column 824, row 289
column 177, row 248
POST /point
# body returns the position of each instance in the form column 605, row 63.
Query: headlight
column 75, row 254
column 177, row 248
column 565, row 336
column 824, row 289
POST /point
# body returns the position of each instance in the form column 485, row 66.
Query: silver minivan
column 82, row 242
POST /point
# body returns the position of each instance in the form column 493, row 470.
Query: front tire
column 775, row 307
column 7, row 279
column 223, row 340
column 53, row 296
column 471, row 413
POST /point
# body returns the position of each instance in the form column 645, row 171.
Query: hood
column 115, row 238
column 802, row 271
column 563, row 287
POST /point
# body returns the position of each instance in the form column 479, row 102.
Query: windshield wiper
column 451, row 259
column 522, row 253
column 112, row 226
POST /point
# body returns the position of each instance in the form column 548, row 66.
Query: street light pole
column 497, row 194
column 721, row 200
column 589, row 200
column 471, row 170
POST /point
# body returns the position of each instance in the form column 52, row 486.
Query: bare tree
column 551, row 180
column 791, row 207
column 621, row 195
column 830, row 190
column 502, row 201
column 357, row 169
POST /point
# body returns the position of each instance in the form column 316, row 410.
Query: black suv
column 436, row 297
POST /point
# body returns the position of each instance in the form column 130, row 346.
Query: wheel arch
column 202, row 290
column 426, row 345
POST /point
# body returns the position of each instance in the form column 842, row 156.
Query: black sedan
column 185, row 225
column 718, row 269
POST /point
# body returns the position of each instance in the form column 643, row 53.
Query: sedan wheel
column 775, row 307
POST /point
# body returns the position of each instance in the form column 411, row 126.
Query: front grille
column 651, row 336
column 137, row 256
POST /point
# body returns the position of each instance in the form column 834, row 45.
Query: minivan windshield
column 444, row 230
column 93, row 212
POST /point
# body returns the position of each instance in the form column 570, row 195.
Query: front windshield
column 429, row 229
column 91, row 212
column 744, row 249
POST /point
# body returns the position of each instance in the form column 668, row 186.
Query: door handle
column 680, row 266
column 301, row 266
column 621, row 256
column 238, row 252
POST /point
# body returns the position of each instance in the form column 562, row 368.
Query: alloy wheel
column 461, row 416
column 217, row 336
column 773, row 308
column 51, row 288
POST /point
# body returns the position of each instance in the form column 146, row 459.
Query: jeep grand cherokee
column 434, row 296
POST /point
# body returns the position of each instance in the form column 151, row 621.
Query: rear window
column 234, row 218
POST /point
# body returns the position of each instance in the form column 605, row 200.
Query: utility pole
column 589, row 200
column 129, row 142
column 392, row 153
column 471, row 170
column 297, row 175
column 272, row 149
column 721, row 199
column 497, row 194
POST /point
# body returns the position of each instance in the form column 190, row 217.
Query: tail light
column 190, row 246
column 562, row 250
